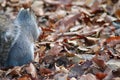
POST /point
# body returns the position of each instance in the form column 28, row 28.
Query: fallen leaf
column 32, row 71
column 45, row 71
column 88, row 77
column 55, row 50
column 78, row 69
column 61, row 76
column 112, row 41
column 24, row 77
column 100, row 75
column 100, row 62
column 15, row 71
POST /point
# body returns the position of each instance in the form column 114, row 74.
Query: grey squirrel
column 17, row 39
column 9, row 32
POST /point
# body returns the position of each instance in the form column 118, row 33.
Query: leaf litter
column 80, row 40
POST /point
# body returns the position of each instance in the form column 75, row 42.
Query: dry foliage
column 80, row 40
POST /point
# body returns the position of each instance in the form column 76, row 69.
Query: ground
column 80, row 40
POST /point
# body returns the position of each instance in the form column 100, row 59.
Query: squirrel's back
column 27, row 20
column 9, row 32
column 22, row 52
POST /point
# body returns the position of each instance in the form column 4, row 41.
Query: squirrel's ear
column 16, row 21
column 20, row 12
column 23, row 13
column 20, row 16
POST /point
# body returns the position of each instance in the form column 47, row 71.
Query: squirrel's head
column 25, row 16
column 27, row 21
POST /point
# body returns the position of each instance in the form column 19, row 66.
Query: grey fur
column 19, row 44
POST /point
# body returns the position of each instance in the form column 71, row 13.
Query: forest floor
column 80, row 40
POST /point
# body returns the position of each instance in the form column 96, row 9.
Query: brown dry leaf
column 76, row 28
column 109, row 18
column 61, row 69
column 60, row 13
column 94, row 49
column 90, row 41
column 100, row 75
column 45, row 72
column 25, row 77
column 2, row 72
column 79, row 69
column 85, row 12
column 3, row 3
column 77, row 2
column 64, row 24
column 117, row 13
column 89, row 32
column 100, row 62
column 66, row 2
column 15, row 71
column 112, row 75
column 78, row 58
column 109, row 75
column 42, row 48
column 116, row 73
column 102, row 17
column 52, row 37
column 26, row 3
column 89, row 2
column 82, row 34
column 37, row 7
column 49, row 60
column 5, row 79
column 113, row 64
column 72, row 42
column 73, row 78
column 93, row 4
column 112, row 41
column 88, row 77
column 31, row 70
column 53, row 2
column 62, row 61
column 116, row 7
column 55, row 50
column 61, row 76
column 14, row 1
column 36, row 59
column 117, row 78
